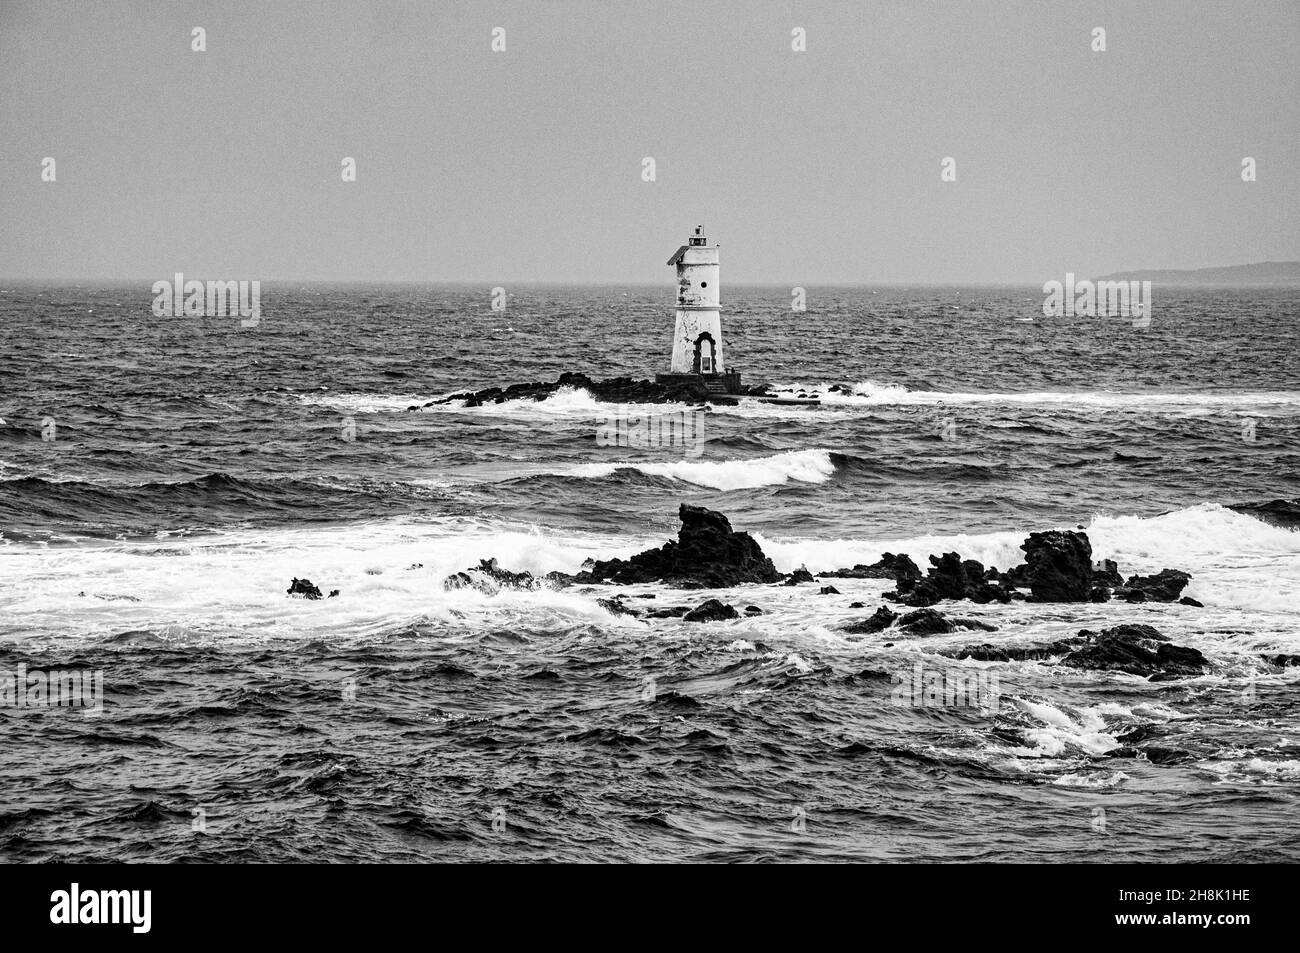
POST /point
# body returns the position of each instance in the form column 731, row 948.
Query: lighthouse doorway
column 705, row 350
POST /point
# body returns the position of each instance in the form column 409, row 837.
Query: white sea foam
column 1099, row 780
column 1235, row 560
column 578, row 403
column 234, row 583
column 872, row 393
column 364, row 403
column 1061, row 731
column 1247, row 573
column 804, row 466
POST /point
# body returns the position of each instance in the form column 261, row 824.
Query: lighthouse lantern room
column 697, row 334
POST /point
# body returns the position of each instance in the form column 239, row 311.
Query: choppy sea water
column 197, row 466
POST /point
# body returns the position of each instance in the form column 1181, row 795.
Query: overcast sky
column 526, row 165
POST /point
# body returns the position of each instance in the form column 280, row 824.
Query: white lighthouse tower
column 697, row 335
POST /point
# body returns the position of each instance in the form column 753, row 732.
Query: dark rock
column 753, row 610
column 304, row 588
column 1099, row 594
column 460, row 580
column 1138, row 733
column 1137, row 650
column 706, row 554
column 711, row 611
column 950, row 577
column 1281, row 660
column 1105, row 572
column 1004, row 653
column 1058, row 566
column 857, row 605
column 918, row 596
column 800, row 575
column 1156, row 754
column 1017, row 577
column 888, row 566
column 1130, row 630
column 490, row 578
column 1165, row 586
column 1189, row 601
column 882, row 619
column 671, row 612
column 926, row 622
column 618, row 390
column 1178, row 661
column 333, row 593
column 616, row 607
column 514, row 580
column 829, row 591
column 963, row 623
column 873, row 675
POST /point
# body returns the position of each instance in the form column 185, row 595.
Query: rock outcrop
column 1165, row 586
column 951, row 577
column 618, row 390
column 1058, row 566
column 711, row 611
column 1137, row 650
column 889, row 566
column 707, row 553
column 303, row 588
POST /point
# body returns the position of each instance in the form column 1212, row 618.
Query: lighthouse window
column 704, row 284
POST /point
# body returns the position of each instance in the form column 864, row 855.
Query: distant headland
column 1259, row 273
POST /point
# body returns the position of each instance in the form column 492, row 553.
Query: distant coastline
column 1259, row 273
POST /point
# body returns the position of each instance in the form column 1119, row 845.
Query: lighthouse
column 697, row 334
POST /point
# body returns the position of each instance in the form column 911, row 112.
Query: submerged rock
column 616, row 607
column 1156, row 754
column 711, row 611
column 933, row 622
column 668, row 612
column 490, row 578
column 305, row 589
column 1007, row 653
column 881, row 620
column 1137, row 650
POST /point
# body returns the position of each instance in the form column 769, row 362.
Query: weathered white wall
column 690, row 324
column 698, row 287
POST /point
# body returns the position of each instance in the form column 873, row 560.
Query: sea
column 164, row 479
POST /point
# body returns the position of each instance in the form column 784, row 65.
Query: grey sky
column 807, row 168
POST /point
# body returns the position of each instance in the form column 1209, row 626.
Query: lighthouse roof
column 677, row 255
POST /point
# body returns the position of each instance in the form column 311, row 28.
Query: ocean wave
column 365, row 403
column 871, row 393
column 803, row 466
